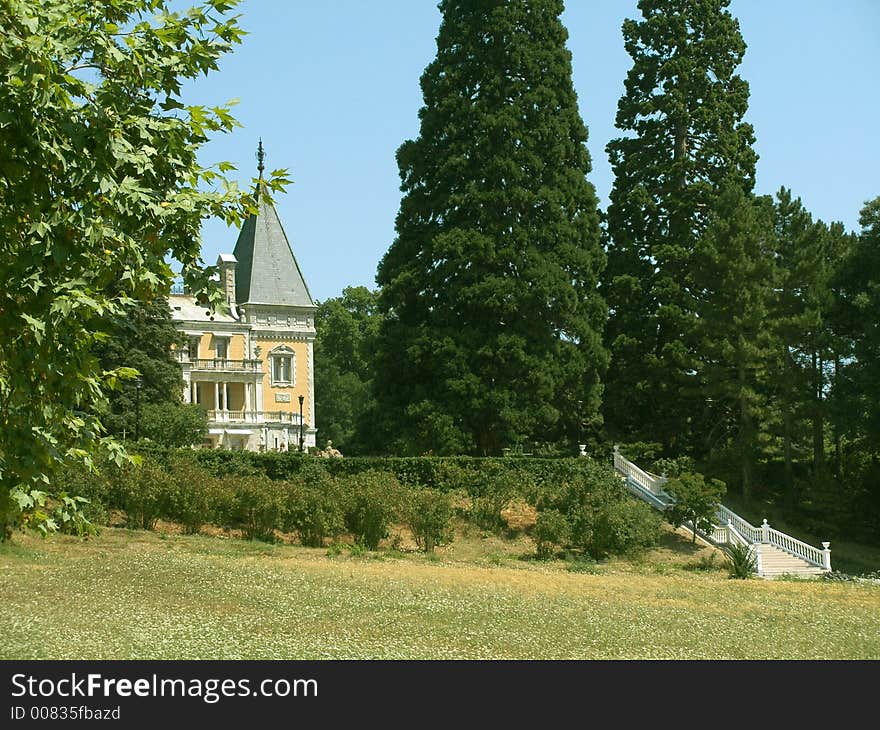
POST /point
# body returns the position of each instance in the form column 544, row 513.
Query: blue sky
column 332, row 87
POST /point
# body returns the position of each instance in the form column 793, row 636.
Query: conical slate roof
column 267, row 271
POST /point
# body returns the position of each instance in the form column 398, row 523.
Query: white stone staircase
column 776, row 553
column 776, row 562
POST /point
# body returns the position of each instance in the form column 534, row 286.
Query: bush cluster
column 565, row 504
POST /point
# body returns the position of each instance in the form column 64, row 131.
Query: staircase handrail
column 637, row 474
column 739, row 527
column 743, row 527
column 799, row 548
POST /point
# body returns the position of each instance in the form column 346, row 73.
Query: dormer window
column 283, row 364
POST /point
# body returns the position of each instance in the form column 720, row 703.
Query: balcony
column 254, row 417
column 224, row 366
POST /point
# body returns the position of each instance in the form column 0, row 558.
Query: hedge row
column 564, row 503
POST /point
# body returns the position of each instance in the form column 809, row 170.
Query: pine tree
column 799, row 259
column 859, row 282
column 492, row 333
column 684, row 140
column 734, row 280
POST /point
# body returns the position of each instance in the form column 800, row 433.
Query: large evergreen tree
column 733, row 278
column 493, row 319
column 859, row 282
column 684, row 139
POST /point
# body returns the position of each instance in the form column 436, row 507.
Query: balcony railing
column 224, row 365
column 254, row 417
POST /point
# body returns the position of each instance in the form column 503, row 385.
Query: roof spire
column 261, row 155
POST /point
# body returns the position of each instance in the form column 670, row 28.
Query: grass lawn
column 149, row 595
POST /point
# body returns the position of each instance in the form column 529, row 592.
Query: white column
column 826, row 555
column 225, row 396
column 217, row 397
column 247, row 398
column 260, row 396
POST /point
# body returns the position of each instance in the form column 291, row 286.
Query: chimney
column 226, row 263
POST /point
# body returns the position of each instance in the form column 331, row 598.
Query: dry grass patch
column 130, row 594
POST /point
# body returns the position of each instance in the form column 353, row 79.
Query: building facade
column 252, row 367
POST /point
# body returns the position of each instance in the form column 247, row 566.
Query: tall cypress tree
column 493, row 319
column 684, row 140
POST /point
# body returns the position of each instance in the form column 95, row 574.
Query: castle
column 252, row 367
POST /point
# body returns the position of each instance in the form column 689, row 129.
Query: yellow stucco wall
column 236, row 347
column 301, row 378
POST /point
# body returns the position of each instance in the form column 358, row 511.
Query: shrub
column 93, row 486
column 485, row 512
column 141, row 491
column 552, row 531
column 194, row 496
column 741, row 560
column 429, row 515
column 372, row 501
column 314, row 512
column 621, row 527
column 255, row 504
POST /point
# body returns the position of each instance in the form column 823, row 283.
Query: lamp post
column 301, row 399
column 138, row 383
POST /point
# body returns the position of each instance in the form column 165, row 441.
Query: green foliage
column 485, row 512
column 315, row 507
column 346, row 329
column 193, row 496
column 49, row 513
column 733, row 267
column 682, row 139
column 142, row 492
column 621, row 527
column 263, row 493
column 696, row 500
column 372, row 500
column 174, row 424
column 551, row 532
column 491, row 319
column 429, row 515
column 101, row 183
column 741, row 560
column 255, row 504
column 673, row 467
column 143, row 338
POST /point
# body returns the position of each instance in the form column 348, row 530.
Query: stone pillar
column 826, row 555
column 765, row 531
column 225, row 396
column 217, row 397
